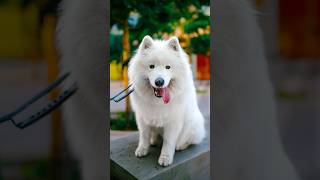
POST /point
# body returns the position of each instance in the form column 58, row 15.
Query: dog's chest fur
column 159, row 115
column 155, row 121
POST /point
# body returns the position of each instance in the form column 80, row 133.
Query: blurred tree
column 156, row 17
column 198, row 28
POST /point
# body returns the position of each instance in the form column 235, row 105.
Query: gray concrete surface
column 192, row 163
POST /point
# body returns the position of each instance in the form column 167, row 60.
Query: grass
column 123, row 121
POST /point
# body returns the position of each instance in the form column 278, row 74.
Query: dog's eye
column 167, row 67
column 151, row 66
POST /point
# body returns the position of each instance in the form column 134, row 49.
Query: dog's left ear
column 173, row 43
column 146, row 42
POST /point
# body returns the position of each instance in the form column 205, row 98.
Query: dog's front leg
column 144, row 137
column 170, row 135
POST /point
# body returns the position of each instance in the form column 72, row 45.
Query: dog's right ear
column 146, row 42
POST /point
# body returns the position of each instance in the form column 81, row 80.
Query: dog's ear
column 173, row 43
column 146, row 42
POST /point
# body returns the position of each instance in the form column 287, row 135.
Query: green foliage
column 192, row 27
column 118, row 124
column 132, row 121
column 115, row 48
column 123, row 121
column 40, row 170
column 119, row 11
column 157, row 16
column 3, row 2
column 200, row 44
column 25, row 3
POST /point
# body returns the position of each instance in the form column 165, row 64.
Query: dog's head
column 159, row 66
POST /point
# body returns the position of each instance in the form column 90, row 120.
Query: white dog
column 164, row 99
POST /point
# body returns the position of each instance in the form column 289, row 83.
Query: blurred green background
column 132, row 20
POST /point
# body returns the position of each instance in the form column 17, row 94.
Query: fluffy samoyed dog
column 164, row 100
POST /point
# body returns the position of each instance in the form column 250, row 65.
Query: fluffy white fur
column 247, row 144
column 179, row 122
column 81, row 37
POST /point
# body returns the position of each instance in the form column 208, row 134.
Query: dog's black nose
column 159, row 82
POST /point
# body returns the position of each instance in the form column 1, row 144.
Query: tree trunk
column 125, row 56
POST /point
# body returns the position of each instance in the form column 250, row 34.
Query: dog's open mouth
column 162, row 93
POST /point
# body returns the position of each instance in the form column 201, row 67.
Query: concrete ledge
column 192, row 163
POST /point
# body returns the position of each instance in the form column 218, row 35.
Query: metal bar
column 120, row 92
column 46, row 110
column 35, row 98
column 129, row 92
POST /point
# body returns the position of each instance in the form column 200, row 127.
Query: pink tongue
column 165, row 95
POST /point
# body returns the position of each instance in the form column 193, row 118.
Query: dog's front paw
column 141, row 151
column 165, row 160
